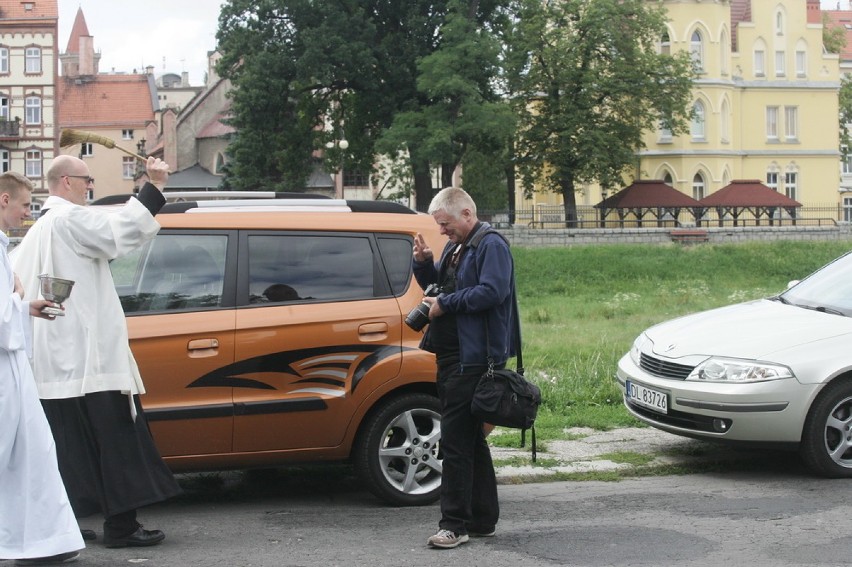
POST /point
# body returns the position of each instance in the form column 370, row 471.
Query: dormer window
column 28, row 6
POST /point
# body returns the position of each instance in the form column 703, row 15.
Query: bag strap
column 516, row 316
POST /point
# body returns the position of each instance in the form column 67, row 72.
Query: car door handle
column 373, row 331
column 203, row 347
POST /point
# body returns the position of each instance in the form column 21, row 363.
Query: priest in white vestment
column 36, row 519
column 86, row 375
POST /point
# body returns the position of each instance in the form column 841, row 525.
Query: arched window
column 667, row 179
column 779, row 23
column 772, row 177
column 724, row 46
column 698, row 121
column 698, row 187
column 220, row 164
column 696, row 48
column 665, row 44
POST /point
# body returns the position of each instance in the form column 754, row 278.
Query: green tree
column 833, row 36
column 845, row 101
column 590, row 83
column 306, row 72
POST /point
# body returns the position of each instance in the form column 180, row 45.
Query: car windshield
column 829, row 289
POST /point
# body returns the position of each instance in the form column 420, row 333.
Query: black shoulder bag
column 504, row 397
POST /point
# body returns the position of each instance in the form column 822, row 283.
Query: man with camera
column 471, row 326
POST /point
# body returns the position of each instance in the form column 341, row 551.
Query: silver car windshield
column 829, row 289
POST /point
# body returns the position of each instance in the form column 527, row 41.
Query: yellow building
column 765, row 99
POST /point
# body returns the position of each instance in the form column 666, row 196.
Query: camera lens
column 418, row 317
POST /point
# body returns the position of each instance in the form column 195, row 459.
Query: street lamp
column 342, row 144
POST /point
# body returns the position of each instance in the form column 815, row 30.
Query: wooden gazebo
column 647, row 197
column 749, row 196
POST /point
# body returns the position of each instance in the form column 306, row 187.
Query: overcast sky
column 171, row 35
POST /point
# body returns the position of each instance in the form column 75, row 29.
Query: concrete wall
column 556, row 237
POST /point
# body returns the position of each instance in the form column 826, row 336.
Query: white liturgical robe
column 36, row 519
column 87, row 349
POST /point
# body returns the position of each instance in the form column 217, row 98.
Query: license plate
column 647, row 397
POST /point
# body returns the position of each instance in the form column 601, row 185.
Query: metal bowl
column 55, row 289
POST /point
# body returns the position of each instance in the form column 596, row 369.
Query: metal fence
column 553, row 216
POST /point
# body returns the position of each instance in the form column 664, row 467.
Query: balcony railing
column 10, row 128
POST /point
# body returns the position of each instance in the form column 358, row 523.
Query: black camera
column 419, row 316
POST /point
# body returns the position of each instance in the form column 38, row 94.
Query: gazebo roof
column 748, row 193
column 645, row 194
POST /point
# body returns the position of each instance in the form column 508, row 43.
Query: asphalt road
column 774, row 514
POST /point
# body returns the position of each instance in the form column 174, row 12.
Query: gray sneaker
column 445, row 539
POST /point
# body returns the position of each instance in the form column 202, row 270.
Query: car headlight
column 636, row 349
column 731, row 370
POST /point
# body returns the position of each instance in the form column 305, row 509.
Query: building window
column 355, row 179
column 128, row 167
column 665, row 44
column 759, row 63
column 33, row 163
column 791, row 185
column 791, row 122
column 780, row 63
column 696, row 49
column 847, row 209
column 33, row 110
column 697, row 129
column 4, row 107
column 846, row 161
column 801, row 63
column 5, row 162
column 698, row 187
column 127, row 134
column 772, row 122
column 772, row 180
column 4, row 60
column 220, row 164
column 32, row 60
column 87, row 149
column 724, row 123
column 667, row 179
column 665, row 135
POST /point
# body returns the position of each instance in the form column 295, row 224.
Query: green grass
column 582, row 307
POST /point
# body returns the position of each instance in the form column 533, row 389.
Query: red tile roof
column 740, row 12
column 647, row 193
column 80, row 29
column 14, row 9
column 747, row 193
column 106, row 101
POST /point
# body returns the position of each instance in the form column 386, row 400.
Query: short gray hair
column 452, row 200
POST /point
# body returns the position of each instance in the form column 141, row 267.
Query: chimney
column 149, row 70
column 170, row 138
column 184, row 79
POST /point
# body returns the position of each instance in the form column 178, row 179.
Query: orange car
column 271, row 332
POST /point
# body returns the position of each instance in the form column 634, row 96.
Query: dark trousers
column 468, row 483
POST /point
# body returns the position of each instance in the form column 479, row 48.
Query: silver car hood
column 752, row 330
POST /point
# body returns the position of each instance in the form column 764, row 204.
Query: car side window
column 173, row 272
column 299, row 267
column 396, row 254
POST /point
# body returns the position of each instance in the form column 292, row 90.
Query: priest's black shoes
column 88, row 535
column 139, row 538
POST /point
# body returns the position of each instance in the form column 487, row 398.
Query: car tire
column 396, row 454
column 826, row 446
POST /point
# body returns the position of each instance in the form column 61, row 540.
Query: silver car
column 775, row 371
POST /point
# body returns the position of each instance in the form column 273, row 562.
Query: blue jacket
column 484, row 290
